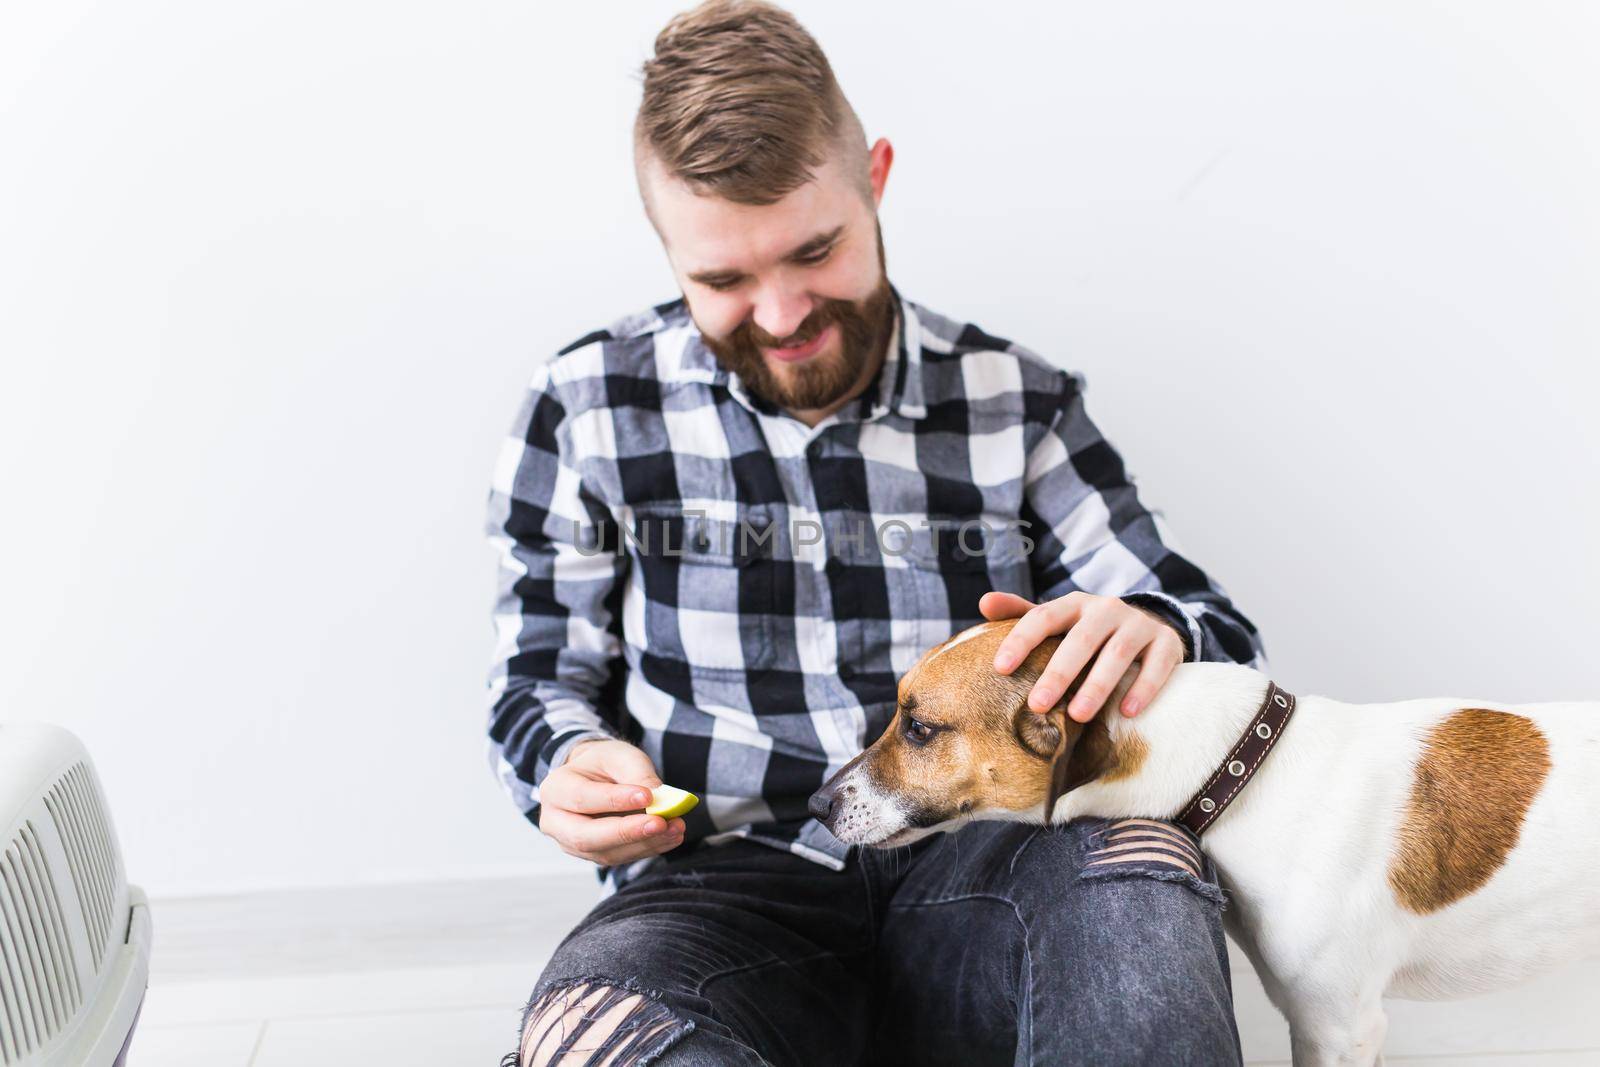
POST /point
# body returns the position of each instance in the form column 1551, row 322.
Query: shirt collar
column 898, row 386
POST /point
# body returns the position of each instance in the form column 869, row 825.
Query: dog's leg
column 1324, row 1033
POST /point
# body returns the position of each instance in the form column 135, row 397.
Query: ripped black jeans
column 1098, row 942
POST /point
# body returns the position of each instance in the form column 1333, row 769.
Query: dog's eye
column 918, row 732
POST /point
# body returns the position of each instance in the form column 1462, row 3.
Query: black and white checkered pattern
column 684, row 566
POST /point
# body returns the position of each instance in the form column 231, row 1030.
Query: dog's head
column 963, row 744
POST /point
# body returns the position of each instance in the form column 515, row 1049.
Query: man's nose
column 821, row 802
column 780, row 313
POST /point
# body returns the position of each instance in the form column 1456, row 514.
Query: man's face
column 791, row 296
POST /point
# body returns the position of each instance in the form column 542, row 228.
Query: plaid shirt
column 686, row 567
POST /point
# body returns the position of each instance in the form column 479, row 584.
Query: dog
column 1424, row 849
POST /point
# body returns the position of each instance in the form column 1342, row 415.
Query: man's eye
column 721, row 287
column 815, row 258
column 918, row 732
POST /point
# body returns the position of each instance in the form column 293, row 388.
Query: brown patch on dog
column 1100, row 759
column 1096, row 757
column 1479, row 772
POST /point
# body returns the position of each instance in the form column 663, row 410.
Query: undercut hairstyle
column 739, row 102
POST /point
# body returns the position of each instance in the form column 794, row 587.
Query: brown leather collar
column 1240, row 766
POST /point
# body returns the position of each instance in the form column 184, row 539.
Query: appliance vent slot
column 39, row 987
column 79, row 814
column 80, row 819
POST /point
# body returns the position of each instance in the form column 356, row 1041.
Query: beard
column 825, row 378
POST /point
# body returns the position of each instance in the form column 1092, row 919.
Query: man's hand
column 1120, row 632
column 580, row 802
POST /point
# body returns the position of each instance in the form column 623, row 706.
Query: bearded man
column 726, row 525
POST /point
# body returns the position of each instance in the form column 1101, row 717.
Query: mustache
column 751, row 335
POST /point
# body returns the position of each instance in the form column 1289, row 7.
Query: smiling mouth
column 805, row 350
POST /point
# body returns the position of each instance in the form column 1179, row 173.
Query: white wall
column 272, row 277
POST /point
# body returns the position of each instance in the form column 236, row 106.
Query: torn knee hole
column 1146, row 841
column 1152, row 850
column 598, row 1025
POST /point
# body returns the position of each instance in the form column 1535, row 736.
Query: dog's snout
column 821, row 802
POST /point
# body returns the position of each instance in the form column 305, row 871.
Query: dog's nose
column 821, row 802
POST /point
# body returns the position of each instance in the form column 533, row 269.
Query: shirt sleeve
column 1092, row 533
column 557, row 668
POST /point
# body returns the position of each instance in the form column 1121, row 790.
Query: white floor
column 436, row 974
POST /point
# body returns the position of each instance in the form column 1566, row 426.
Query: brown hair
column 740, row 102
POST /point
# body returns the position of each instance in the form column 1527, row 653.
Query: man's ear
column 879, row 158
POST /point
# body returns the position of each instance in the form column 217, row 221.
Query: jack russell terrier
column 1425, row 849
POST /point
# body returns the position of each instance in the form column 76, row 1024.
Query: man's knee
column 595, row 1022
column 1089, row 850
column 1131, row 908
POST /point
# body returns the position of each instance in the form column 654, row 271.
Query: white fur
column 965, row 635
column 1304, row 851
column 863, row 812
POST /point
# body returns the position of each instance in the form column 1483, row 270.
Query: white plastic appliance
column 74, row 935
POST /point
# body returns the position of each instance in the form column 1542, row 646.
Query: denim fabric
column 996, row 944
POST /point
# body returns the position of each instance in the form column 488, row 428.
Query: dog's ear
column 1039, row 733
column 1051, row 736
column 1069, row 772
column 1088, row 752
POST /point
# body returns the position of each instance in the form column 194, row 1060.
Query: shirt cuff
column 561, row 747
column 1172, row 610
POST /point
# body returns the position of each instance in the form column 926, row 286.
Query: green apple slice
column 669, row 801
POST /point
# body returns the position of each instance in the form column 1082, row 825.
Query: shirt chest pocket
column 706, row 590
column 950, row 565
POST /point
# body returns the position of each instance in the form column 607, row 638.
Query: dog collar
column 1240, row 766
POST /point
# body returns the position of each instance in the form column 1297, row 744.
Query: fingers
column 671, row 838
column 1159, row 660
column 997, row 605
column 571, row 789
column 596, row 833
column 1134, row 637
column 1077, row 648
column 578, row 801
column 623, row 762
column 605, row 838
column 1105, row 630
column 1119, row 652
column 601, row 776
column 1040, row 621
